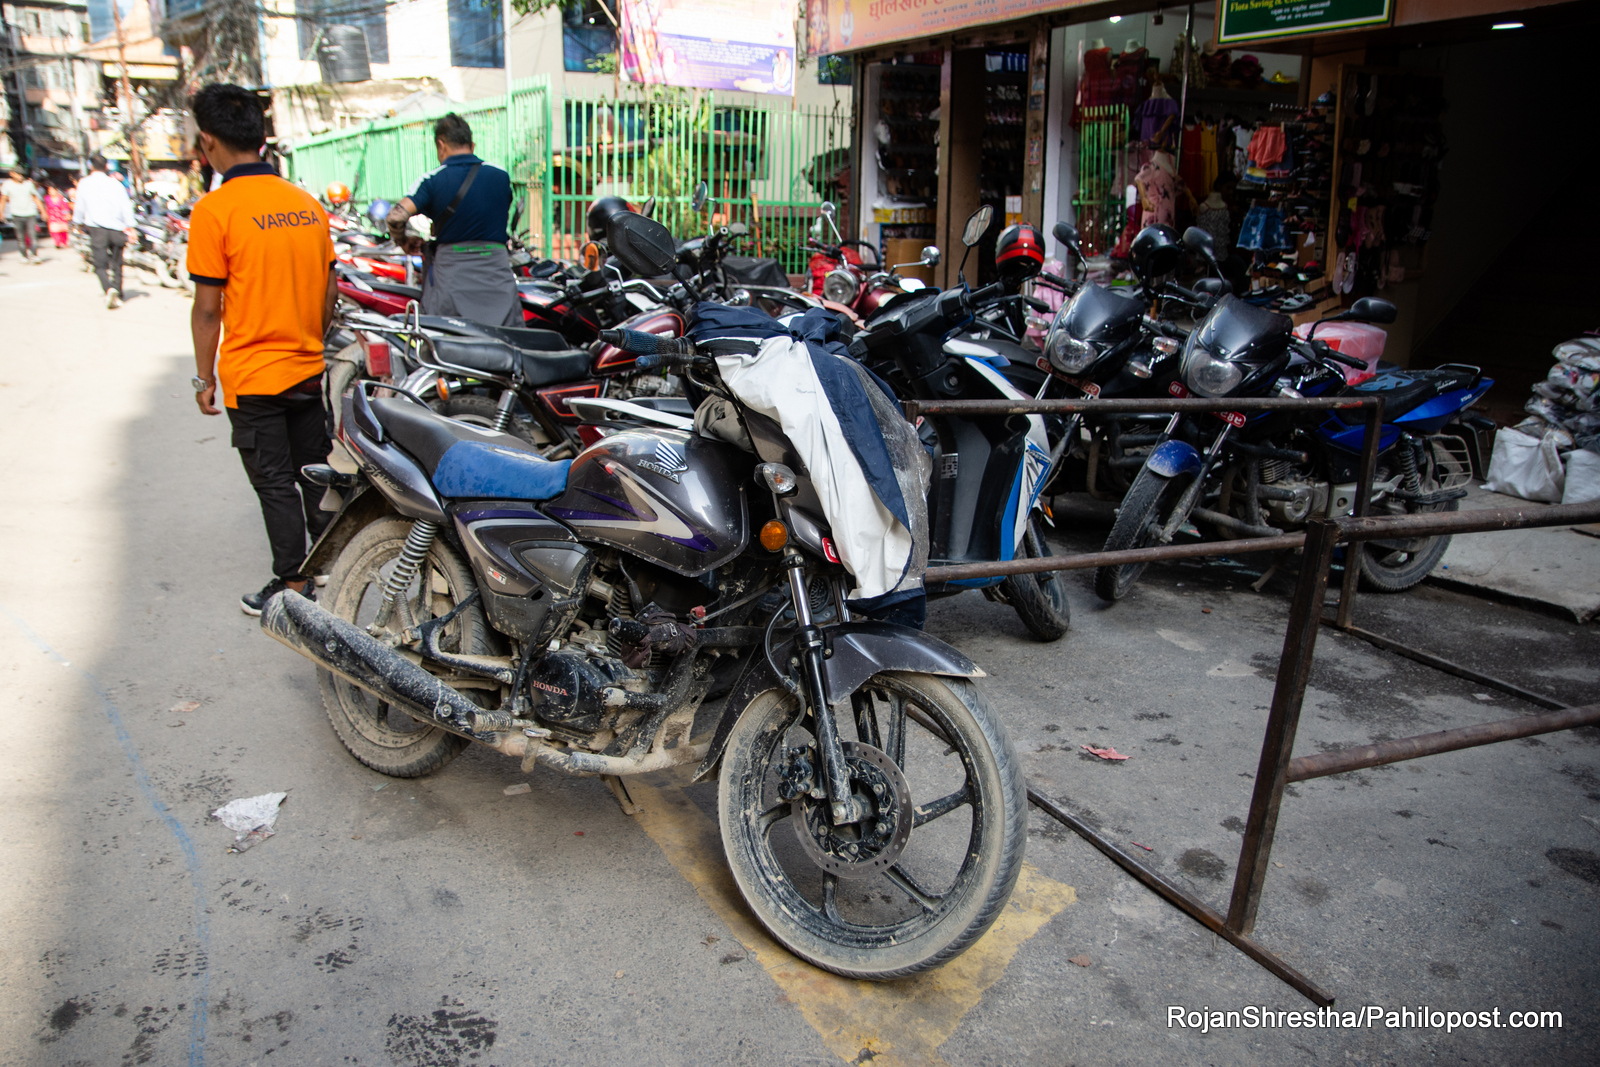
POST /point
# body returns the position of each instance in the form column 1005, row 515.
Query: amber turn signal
column 443, row 388
column 774, row 535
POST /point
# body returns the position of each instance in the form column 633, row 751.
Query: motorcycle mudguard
column 1172, row 458
column 362, row 507
column 860, row 650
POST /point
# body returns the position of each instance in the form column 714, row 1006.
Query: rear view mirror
column 1212, row 287
column 830, row 214
column 930, row 255
column 649, row 209
column 1067, row 234
column 1371, row 309
column 702, row 195
column 738, row 229
column 977, row 225
column 1200, row 243
column 642, row 245
column 516, row 217
column 827, row 210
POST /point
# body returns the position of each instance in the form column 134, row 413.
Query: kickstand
column 1261, row 582
column 619, row 789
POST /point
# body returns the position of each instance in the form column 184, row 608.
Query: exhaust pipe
column 360, row 659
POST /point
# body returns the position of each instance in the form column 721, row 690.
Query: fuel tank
column 668, row 496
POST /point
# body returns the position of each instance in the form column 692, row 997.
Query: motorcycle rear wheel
column 378, row 735
column 959, row 863
column 1143, row 511
column 1395, row 566
column 481, row 411
column 1040, row 600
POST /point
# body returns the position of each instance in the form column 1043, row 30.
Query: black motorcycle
column 1261, row 475
column 575, row 615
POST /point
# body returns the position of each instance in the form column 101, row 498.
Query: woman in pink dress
column 58, row 214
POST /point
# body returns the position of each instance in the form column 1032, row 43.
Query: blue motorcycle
column 1226, row 475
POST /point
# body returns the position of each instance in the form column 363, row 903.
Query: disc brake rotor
column 875, row 843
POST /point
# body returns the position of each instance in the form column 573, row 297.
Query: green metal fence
column 768, row 167
column 385, row 159
column 1104, row 136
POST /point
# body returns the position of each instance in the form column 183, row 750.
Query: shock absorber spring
column 1411, row 482
column 412, row 554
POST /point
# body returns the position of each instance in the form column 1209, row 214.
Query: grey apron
column 472, row 281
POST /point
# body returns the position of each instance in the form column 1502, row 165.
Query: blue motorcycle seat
column 1406, row 390
column 482, row 469
column 468, row 461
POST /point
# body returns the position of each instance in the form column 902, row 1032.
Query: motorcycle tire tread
column 867, row 963
column 1030, row 594
column 1138, row 510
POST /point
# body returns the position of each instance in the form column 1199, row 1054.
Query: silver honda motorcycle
column 616, row 614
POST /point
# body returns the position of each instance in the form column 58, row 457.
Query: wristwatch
column 200, row 384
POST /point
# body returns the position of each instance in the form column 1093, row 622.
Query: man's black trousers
column 106, row 247
column 276, row 436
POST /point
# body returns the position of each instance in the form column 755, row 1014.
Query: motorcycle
column 561, row 613
column 840, row 278
column 1260, row 476
column 984, row 504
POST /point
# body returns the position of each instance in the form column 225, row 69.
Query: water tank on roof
column 342, row 55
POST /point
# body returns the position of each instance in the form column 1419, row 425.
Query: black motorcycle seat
column 499, row 359
column 525, row 338
column 1406, row 390
column 470, row 461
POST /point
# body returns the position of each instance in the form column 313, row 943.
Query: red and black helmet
column 1018, row 253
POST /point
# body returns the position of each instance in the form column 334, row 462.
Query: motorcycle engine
column 567, row 687
column 1296, row 496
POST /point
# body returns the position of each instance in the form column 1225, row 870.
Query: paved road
column 442, row 922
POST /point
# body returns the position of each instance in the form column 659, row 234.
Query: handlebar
column 1328, row 352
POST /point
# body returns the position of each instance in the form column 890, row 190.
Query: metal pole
column 135, row 159
column 1353, row 553
column 1403, row 748
column 1294, row 671
column 1183, row 89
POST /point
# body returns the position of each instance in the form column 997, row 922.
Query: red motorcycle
column 845, row 283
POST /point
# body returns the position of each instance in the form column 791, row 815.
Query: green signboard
column 1256, row 20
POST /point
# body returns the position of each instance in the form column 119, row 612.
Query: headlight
column 839, row 286
column 1208, row 375
column 1068, row 354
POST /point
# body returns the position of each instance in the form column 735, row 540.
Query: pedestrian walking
column 20, row 202
column 466, row 268
column 103, row 209
column 261, row 257
column 58, row 216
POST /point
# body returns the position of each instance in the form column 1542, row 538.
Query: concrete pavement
column 440, row 921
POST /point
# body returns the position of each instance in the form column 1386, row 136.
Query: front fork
column 1191, row 496
column 811, row 649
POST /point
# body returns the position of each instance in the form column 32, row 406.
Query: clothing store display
column 1157, row 191
column 1267, row 146
column 1127, row 76
column 1262, row 229
column 1157, row 121
column 1213, row 218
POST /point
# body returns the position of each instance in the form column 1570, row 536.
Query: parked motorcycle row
column 160, row 242
column 564, row 541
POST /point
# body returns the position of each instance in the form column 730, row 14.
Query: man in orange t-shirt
column 260, row 255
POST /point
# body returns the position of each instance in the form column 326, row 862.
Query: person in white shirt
column 19, row 201
column 103, row 209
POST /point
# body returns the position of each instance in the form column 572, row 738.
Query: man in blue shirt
column 466, row 267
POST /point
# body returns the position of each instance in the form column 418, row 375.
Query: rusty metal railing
column 1277, row 767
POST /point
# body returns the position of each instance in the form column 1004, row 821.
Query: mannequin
column 1132, row 45
column 1097, row 43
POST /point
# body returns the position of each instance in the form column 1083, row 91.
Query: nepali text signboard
column 1254, row 20
column 742, row 45
column 851, row 25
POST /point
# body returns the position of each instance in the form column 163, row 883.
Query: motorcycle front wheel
column 1143, row 512
column 928, row 870
column 1040, row 600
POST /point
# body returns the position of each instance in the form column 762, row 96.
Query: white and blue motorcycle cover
column 868, row 468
